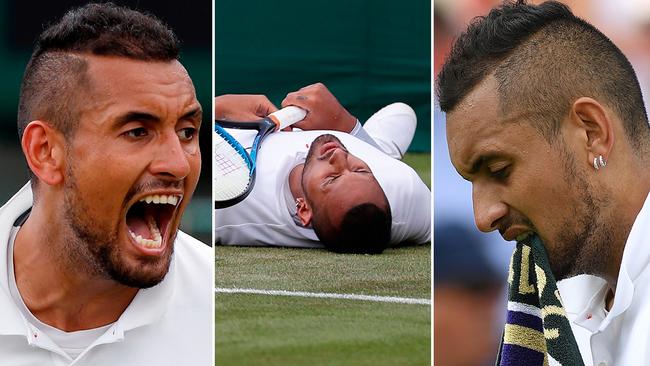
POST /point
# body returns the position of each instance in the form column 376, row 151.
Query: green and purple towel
column 537, row 330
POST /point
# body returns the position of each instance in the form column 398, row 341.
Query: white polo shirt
column 265, row 216
column 168, row 324
column 620, row 336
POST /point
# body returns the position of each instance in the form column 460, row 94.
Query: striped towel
column 537, row 330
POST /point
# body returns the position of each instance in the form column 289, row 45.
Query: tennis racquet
column 234, row 168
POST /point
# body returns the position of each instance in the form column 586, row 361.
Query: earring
column 599, row 162
column 299, row 202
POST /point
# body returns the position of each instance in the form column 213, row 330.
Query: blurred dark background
column 369, row 53
column 22, row 21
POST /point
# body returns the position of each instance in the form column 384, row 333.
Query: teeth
column 161, row 199
column 523, row 236
column 147, row 243
column 156, row 242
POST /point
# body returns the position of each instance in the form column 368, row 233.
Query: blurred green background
column 20, row 24
column 369, row 53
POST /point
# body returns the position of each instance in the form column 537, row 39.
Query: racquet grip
column 287, row 116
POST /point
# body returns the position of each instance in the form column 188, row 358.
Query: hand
column 242, row 107
column 324, row 112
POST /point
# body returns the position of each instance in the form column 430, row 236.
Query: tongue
column 138, row 225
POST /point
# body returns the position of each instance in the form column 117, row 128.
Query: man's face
column 131, row 168
column 335, row 181
column 522, row 184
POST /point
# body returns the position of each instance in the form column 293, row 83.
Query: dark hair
column 364, row 229
column 543, row 58
column 55, row 79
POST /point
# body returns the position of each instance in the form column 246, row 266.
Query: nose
column 338, row 158
column 488, row 208
column 170, row 160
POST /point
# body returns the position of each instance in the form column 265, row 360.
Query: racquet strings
column 232, row 168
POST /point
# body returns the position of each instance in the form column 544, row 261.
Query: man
column 93, row 269
column 545, row 118
column 327, row 189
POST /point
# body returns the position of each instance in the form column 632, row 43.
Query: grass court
column 267, row 329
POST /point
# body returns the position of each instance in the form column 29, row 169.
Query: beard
column 94, row 249
column 313, row 149
column 585, row 246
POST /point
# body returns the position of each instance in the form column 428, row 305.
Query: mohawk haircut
column 55, row 80
column 543, row 58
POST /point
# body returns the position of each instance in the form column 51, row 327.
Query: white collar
column 289, row 201
column 11, row 320
column 636, row 257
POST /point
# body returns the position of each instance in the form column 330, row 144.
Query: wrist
column 348, row 123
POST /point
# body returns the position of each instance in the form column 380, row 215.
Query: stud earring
column 599, row 162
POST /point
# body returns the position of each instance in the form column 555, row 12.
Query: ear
column 595, row 126
column 304, row 211
column 44, row 149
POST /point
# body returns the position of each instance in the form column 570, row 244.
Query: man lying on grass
column 334, row 184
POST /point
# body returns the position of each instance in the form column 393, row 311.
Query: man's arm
column 324, row 112
column 242, row 107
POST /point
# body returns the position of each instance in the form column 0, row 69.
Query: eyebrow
column 136, row 116
column 193, row 113
column 148, row 117
column 480, row 162
column 477, row 165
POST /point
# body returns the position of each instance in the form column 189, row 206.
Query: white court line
column 393, row 299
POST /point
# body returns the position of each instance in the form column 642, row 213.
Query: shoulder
column 193, row 275
column 192, row 252
column 193, row 265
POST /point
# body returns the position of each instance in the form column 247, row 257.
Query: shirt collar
column 11, row 320
column 149, row 305
column 582, row 297
column 636, row 257
column 289, row 201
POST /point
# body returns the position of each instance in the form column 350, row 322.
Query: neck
column 53, row 288
column 295, row 181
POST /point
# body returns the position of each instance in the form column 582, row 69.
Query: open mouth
column 149, row 219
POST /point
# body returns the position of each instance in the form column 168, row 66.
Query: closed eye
column 330, row 179
column 501, row 173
